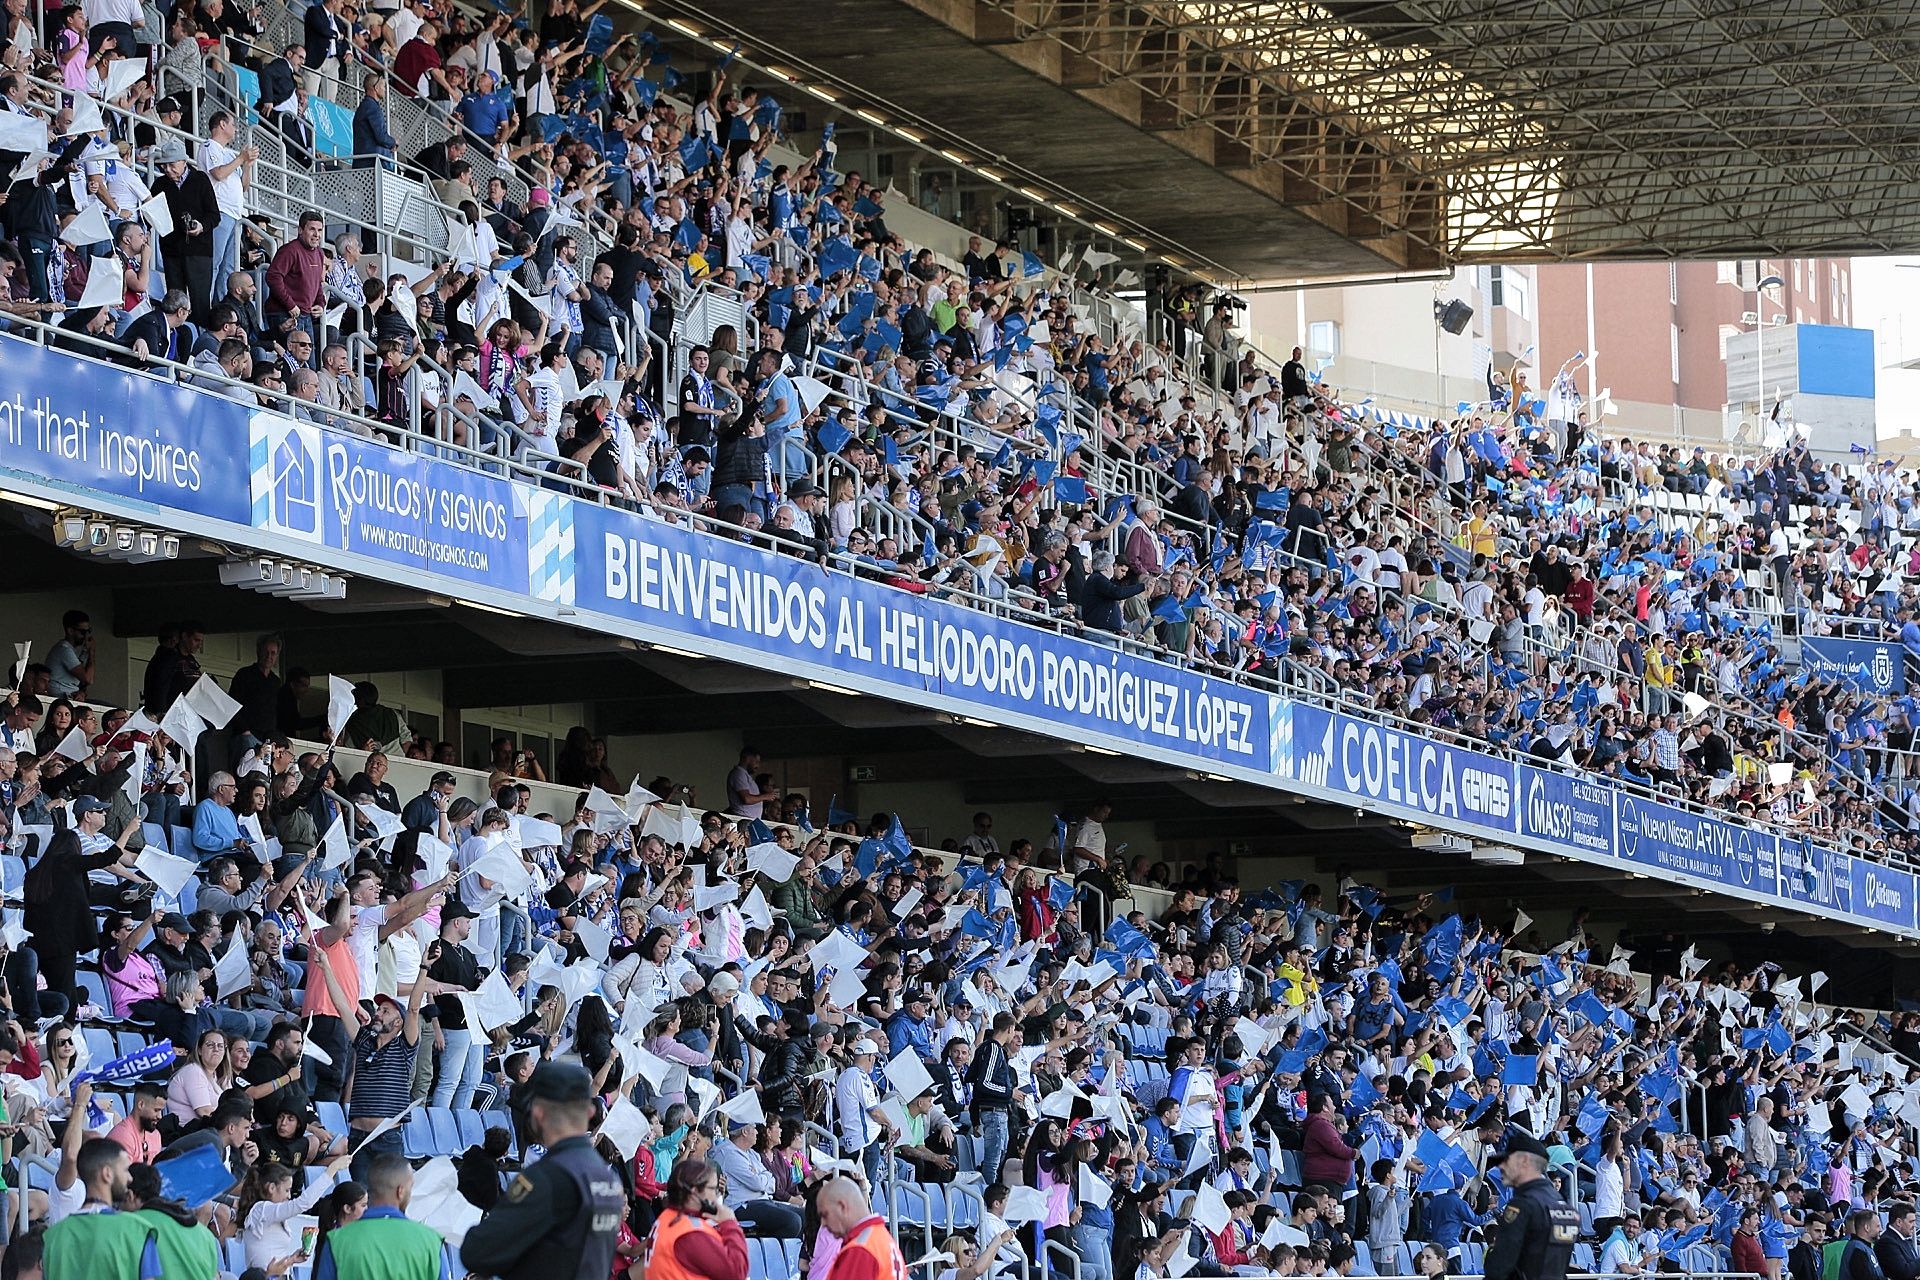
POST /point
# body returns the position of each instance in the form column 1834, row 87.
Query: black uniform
column 556, row 1221
column 1537, row 1235
column 559, row 1219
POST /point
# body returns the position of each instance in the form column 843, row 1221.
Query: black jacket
column 57, row 912
column 1899, row 1256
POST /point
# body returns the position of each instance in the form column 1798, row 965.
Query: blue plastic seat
column 181, row 846
column 94, row 986
column 503, row 1120
column 333, row 1117
column 99, row 1042
column 473, row 1128
column 416, row 1137
column 156, row 836
column 1363, row 1259
column 445, row 1130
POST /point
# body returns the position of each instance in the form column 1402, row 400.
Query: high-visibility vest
column 661, row 1262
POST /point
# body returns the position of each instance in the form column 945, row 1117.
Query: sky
column 1886, row 298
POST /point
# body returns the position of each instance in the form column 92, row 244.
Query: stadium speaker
column 1452, row 316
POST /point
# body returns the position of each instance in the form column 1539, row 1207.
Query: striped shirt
column 382, row 1076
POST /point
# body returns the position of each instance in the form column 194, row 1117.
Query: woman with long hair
column 196, row 1087
column 345, row 1204
column 696, row 1233
column 268, row 1207
column 131, row 976
column 58, row 1066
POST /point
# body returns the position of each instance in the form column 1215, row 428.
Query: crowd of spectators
column 1305, row 1080
column 1503, row 575
column 961, row 426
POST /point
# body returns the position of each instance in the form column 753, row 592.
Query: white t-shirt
column 740, row 783
column 1093, row 838
column 364, row 942
column 228, row 192
column 61, row 1204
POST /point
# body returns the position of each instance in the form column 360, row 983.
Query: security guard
column 560, row 1218
column 1537, row 1229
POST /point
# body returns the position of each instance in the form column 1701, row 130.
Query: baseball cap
column 175, row 921
column 864, row 1046
column 90, row 804
column 560, row 1082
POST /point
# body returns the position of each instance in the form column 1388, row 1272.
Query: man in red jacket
column 1324, row 1157
column 296, row 281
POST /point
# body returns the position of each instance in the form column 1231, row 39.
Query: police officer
column 560, row 1218
column 1537, row 1229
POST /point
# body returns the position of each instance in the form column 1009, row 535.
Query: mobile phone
column 307, row 1235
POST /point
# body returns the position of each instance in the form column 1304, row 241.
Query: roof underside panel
column 1281, row 137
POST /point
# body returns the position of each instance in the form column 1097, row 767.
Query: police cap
column 560, row 1082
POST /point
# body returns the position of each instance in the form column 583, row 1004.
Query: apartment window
column 1726, row 273
column 1673, row 284
column 1673, row 350
column 1323, row 337
column 1495, row 286
column 1513, row 289
column 1727, row 333
column 1796, row 275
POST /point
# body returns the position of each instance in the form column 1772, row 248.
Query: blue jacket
column 370, row 136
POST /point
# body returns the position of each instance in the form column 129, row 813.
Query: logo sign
column 1874, row 666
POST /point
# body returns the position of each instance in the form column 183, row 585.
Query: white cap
column 864, row 1046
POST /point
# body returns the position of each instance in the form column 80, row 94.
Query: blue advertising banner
column 1428, row 780
column 1882, row 894
column 1566, row 811
column 401, row 508
column 130, row 436
column 705, row 588
column 1665, row 838
column 1877, row 666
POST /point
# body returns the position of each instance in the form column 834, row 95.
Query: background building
column 1659, row 333
column 1386, row 341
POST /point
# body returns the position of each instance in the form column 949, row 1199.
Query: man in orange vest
column 867, row 1248
column 696, row 1236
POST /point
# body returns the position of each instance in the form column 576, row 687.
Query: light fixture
column 678, row 653
column 99, row 534
column 28, row 500
column 1101, row 751
column 491, row 608
column 684, row 28
column 954, row 156
column 871, row 117
column 70, row 530
column 824, row 687
column 1031, row 194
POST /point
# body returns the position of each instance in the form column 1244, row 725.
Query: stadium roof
column 1277, row 139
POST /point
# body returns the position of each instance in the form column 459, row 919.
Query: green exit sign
column 864, row 773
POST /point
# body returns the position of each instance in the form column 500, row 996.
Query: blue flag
column 896, row 840
column 833, row 437
column 1060, row 893
column 195, row 1178
column 1071, row 489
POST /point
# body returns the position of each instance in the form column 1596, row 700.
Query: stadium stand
column 527, row 251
